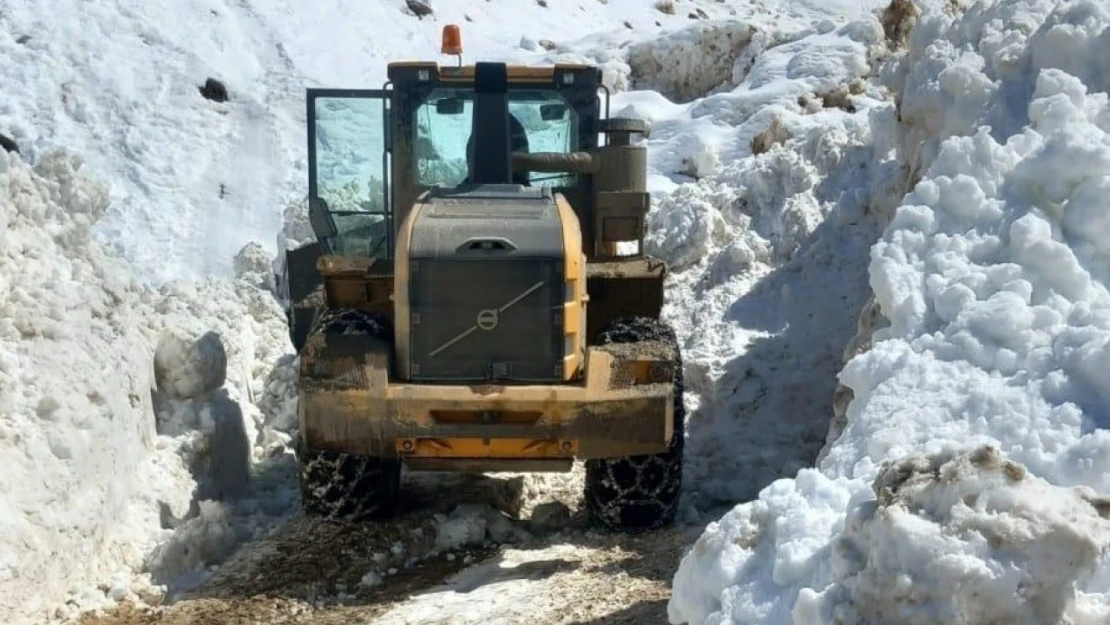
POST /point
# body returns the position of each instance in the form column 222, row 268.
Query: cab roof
column 516, row 73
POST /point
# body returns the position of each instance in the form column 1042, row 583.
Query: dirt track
column 560, row 571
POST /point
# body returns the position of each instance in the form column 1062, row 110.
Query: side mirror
column 449, row 106
column 323, row 226
column 553, row 112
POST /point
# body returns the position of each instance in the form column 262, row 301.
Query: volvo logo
column 487, row 319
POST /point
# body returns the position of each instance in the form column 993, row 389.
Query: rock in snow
column 185, row 369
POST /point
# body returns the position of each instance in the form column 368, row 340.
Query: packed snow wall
column 143, row 430
column 964, row 484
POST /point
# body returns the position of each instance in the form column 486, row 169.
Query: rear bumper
column 624, row 406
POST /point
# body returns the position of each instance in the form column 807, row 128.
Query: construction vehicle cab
column 465, row 308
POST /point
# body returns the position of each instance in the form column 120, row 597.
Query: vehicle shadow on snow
column 768, row 414
column 218, row 458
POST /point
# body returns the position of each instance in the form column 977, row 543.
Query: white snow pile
column 768, row 248
column 963, row 486
column 710, row 88
column 956, row 538
column 193, row 180
column 120, row 406
column 74, row 390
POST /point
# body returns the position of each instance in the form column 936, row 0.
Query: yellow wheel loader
column 477, row 297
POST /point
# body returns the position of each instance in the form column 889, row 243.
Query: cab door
column 350, row 207
column 348, row 171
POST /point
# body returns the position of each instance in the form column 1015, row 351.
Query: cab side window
column 348, row 172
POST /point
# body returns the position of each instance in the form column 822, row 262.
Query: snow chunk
column 370, row 579
column 185, row 369
column 775, row 542
column 960, row 538
column 201, row 540
column 465, row 526
column 689, row 63
column 471, row 524
column 255, row 265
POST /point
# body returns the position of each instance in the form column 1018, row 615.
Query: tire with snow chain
column 341, row 486
column 639, row 492
column 348, row 487
column 353, row 321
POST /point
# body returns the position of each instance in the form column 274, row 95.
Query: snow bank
column 193, row 180
column 992, row 276
column 956, row 538
column 75, row 379
column 768, row 250
column 949, row 538
column 782, row 76
column 100, row 466
column 235, row 440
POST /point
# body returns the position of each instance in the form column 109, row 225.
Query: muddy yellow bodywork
column 393, row 397
column 349, row 402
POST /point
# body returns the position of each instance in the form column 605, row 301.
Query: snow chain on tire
column 341, row 486
column 639, row 492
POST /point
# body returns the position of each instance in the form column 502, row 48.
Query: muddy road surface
column 467, row 549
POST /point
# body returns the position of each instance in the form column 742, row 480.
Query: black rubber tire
column 639, row 492
column 353, row 321
column 341, row 486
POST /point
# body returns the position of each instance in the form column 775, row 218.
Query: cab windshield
column 540, row 121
